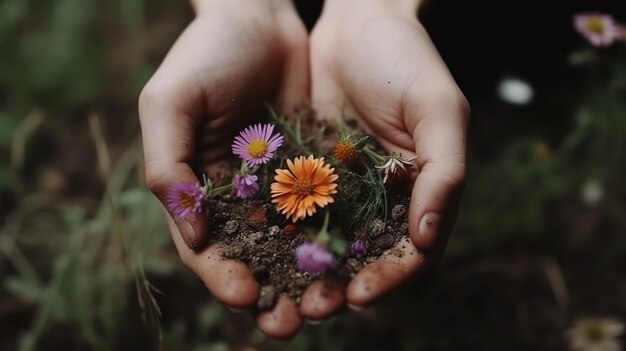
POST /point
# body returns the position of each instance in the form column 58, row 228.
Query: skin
column 372, row 59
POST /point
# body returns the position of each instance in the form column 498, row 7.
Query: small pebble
column 252, row 238
column 260, row 273
column 231, row 226
column 220, row 218
column 282, row 286
column 267, row 298
column 233, row 251
column 376, row 228
column 273, row 230
column 353, row 265
column 384, row 242
column 398, row 211
column 256, row 217
column 404, row 228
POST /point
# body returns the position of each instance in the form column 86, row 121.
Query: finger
column 294, row 88
column 321, row 300
column 168, row 143
column 231, row 282
column 283, row 322
column 387, row 273
column 440, row 138
column 327, row 97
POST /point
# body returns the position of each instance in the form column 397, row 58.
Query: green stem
column 323, row 237
column 224, row 189
column 373, row 155
column 298, row 132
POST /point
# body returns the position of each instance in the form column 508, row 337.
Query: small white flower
column 396, row 163
column 515, row 91
column 595, row 334
column 592, row 192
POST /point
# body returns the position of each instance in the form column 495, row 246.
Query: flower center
column 258, row 148
column 187, row 201
column 595, row 25
column 595, row 332
column 303, row 188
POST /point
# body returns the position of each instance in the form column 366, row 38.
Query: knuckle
column 153, row 178
column 464, row 108
column 456, row 177
column 148, row 97
column 441, row 94
column 448, row 97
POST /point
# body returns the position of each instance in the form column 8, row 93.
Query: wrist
column 404, row 8
column 202, row 6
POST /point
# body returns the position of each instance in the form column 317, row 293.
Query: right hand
column 235, row 55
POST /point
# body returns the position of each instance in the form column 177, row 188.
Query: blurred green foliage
column 83, row 244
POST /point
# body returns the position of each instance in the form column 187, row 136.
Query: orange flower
column 308, row 182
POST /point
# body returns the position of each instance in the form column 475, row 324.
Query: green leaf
column 583, row 57
column 215, row 346
column 23, row 289
column 337, row 245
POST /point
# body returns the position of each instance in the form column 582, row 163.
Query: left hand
column 373, row 59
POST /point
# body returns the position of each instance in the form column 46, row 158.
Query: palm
column 375, row 73
column 218, row 78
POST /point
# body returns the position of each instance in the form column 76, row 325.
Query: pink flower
column 314, row 258
column 186, row 200
column 256, row 144
column 245, row 186
column 599, row 29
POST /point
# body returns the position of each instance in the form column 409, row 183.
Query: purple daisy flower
column 599, row 29
column 256, row 144
column 358, row 248
column 245, row 186
column 314, row 258
column 186, row 200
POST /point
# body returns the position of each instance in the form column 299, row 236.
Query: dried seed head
column 346, row 152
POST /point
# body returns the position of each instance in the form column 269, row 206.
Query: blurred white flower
column 515, row 91
column 592, row 192
column 595, row 334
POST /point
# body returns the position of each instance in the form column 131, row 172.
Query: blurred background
column 86, row 261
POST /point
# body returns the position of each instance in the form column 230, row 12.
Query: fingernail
column 355, row 307
column 188, row 232
column 314, row 322
column 429, row 228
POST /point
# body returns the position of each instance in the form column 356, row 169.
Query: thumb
column 440, row 137
column 168, row 143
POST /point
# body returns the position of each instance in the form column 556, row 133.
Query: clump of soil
column 255, row 234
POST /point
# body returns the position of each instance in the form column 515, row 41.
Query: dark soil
column 255, row 234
